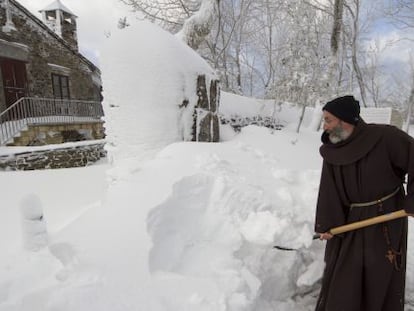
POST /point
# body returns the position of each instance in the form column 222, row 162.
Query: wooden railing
column 27, row 111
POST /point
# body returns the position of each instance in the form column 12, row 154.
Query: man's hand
column 325, row 236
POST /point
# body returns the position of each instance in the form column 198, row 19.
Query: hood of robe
column 363, row 138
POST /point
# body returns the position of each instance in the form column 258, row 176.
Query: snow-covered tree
column 199, row 25
column 300, row 51
column 192, row 19
column 170, row 14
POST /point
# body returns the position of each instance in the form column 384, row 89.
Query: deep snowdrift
column 147, row 74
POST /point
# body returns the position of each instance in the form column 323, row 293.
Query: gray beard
column 338, row 134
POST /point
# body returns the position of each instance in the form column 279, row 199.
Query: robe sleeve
column 401, row 150
column 329, row 209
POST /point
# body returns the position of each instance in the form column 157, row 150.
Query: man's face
column 334, row 127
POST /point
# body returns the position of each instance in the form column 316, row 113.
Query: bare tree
column 300, row 51
column 337, row 26
column 330, row 78
column 353, row 36
column 373, row 73
column 410, row 105
column 224, row 47
column 401, row 13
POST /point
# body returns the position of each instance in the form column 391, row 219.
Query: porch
column 39, row 121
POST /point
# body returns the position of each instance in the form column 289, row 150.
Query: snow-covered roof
column 57, row 5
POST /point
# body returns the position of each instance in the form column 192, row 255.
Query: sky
column 95, row 20
column 165, row 224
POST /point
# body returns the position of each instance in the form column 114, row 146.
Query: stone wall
column 65, row 157
column 238, row 122
column 45, row 134
column 46, row 53
column 206, row 123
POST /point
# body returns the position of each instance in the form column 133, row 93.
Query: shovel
column 357, row 225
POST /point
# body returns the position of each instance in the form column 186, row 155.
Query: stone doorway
column 14, row 80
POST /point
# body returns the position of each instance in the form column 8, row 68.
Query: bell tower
column 62, row 21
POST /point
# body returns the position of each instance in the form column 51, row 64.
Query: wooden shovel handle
column 367, row 222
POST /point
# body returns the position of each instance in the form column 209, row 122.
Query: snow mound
column 213, row 241
column 149, row 79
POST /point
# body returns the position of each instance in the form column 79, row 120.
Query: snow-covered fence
column 239, row 111
column 385, row 115
column 237, row 122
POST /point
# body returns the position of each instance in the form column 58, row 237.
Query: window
column 60, row 86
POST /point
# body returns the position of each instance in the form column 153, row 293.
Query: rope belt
column 375, row 202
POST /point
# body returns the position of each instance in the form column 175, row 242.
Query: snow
column 197, row 26
column 57, row 5
column 34, row 228
column 8, row 151
column 166, row 224
column 147, row 69
column 235, row 105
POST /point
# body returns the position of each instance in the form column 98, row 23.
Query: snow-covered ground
column 166, row 225
column 191, row 229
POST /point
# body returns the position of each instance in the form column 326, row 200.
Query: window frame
column 60, row 86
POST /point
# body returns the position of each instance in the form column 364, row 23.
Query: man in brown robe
column 363, row 174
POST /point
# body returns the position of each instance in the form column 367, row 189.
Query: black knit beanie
column 345, row 108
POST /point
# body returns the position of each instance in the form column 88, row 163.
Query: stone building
column 44, row 81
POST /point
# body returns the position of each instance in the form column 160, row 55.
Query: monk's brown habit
column 365, row 269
